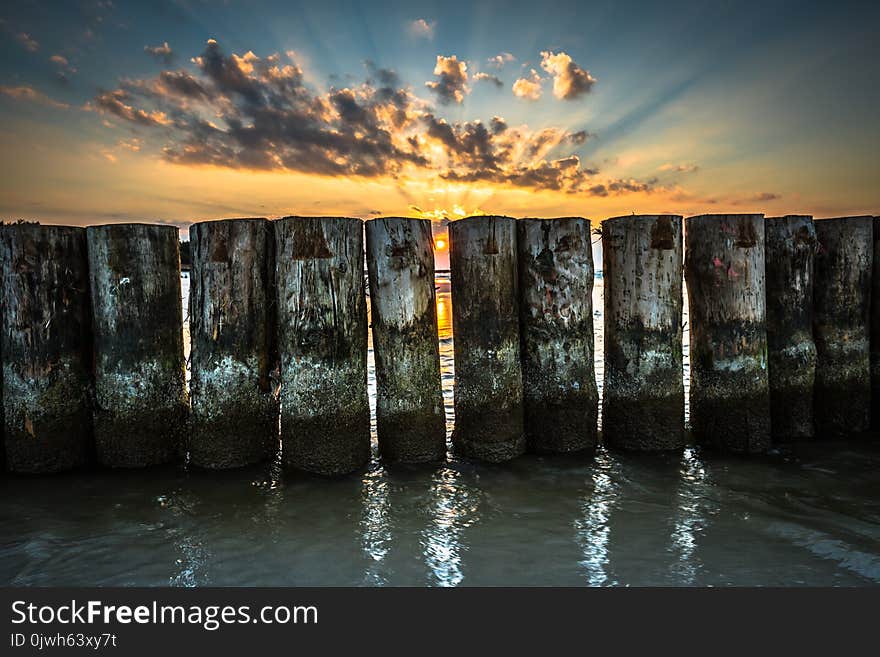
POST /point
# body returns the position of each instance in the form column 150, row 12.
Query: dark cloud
column 250, row 112
column 761, row 197
column 163, row 53
column 485, row 77
column 452, row 78
column 623, row 186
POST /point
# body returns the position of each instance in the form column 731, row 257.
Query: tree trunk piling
column 485, row 320
column 232, row 327
column 411, row 423
column 643, row 391
column 560, row 397
column 842, row 325
column 322, row 341
column 875, row 327
column 46, row 347
column 790, row 243
column 725, row 275
column 141, row 398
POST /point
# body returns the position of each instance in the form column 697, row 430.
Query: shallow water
column 808, row 514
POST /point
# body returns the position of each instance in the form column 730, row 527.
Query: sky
column 183, row 111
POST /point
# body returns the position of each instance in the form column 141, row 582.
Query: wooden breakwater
column 783, row 338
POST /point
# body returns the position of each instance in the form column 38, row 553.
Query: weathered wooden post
column 560, row 397
column 790, row 244
column 841, row 325
column 875, row 327
column 46, row 346
column 643, row 391
column 141, row 402
column 724, row 270
column 232, row 324
column 322, row 338
column 485, row 321
column 410, row 420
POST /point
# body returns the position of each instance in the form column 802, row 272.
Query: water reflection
column 191, row 566
column 454, row 507
column 808, row 514
column 376, row 536
column 593, row 526
column 691, row 515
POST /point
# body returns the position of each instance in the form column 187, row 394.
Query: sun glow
column 439, row 244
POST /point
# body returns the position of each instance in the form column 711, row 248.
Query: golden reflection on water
column 444, row 315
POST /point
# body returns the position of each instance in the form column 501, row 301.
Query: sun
column 439, row 244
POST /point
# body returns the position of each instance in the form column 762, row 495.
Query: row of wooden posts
column 782, row 341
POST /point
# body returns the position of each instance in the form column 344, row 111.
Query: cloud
column 453, row 78
column 528, row 88
column 421, row 28
column 114, row 102
column 680, row 168
column 569, row 80
column 622, row 186
column 31, row 95
column 64, row 67
column 30, row 44
column 761, row 197
column 244, row 111
column 163, row 53
column 499, row 60
column 486, row 77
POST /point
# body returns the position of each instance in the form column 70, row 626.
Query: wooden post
column 790, row 244
column 141, row 399
column 409, row 408
column 841, row 325
column 560, row 396
column 322, row 338
column 485, row 321
column 875, row 327
column 46, row 345
column 724, row 270
column 232, row 324
column 643, row 392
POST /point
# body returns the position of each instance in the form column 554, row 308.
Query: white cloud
column 421, row 28
column 528, row 88
column 501, row 59
column 569, row 79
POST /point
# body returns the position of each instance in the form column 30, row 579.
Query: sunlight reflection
column 592, row 528
column 690, row 518
column 375, row 528
column 454, row 508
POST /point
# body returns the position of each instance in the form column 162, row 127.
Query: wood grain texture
column 725, row 274
column 790, row 250
column 556, row 322
column 485, row 321
column 643, row 391
column 411, row 423
column 141, row 399
column 322, row 340
column 232, row 324
column 842, row 325
column 46, row 346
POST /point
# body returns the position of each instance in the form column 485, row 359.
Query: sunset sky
column 185, row 111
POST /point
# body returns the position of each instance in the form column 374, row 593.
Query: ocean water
column 805, row 514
